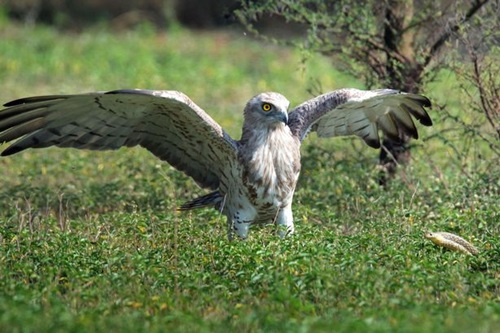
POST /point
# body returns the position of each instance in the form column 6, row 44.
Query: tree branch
column 478, row 4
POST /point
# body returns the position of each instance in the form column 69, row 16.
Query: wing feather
column 167, row 123
column 362, row 113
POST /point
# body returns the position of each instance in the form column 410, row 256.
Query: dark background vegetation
column 76, row 15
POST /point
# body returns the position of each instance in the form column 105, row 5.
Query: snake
column 452, row 242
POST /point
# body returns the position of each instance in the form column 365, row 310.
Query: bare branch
column 433, row 50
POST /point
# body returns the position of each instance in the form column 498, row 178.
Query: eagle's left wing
column 362, row 113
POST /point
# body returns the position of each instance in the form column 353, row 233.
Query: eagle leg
column 284, row 222
column 239, row 223
column 238, row 227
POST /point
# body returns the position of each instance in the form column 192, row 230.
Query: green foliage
column 90, row 241
column 405, row 45
column 390, row 43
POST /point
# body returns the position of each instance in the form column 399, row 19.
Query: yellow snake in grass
column 452, row 242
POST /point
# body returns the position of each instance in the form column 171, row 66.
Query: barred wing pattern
column 167, row 123
column 362, row 113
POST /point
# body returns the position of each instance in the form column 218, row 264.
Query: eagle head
column 268, row 108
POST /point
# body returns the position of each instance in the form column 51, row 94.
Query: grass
column 91, row 241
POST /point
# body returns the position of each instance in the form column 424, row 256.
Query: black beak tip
column 285, row 119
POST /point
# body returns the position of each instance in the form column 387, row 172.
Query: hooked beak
column 283, row 117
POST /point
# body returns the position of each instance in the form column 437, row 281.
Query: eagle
column 252, row 180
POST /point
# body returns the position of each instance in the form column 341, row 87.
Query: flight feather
column 167, row 123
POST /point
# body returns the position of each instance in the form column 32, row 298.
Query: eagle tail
column 211, row 199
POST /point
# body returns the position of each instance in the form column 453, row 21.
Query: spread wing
column 362, row 113
column 167, row 123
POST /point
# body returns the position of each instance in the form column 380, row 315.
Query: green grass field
column 91, row 241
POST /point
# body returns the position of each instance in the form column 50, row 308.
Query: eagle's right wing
column 167, row 123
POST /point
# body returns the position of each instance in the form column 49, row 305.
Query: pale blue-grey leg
column 240, row 224
column 284, row 222
column 240, row 228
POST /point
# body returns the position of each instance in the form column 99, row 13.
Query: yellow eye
column 266, row 107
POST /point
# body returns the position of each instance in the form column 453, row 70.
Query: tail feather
column 211, row 199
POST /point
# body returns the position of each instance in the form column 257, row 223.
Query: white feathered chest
column 271, row 169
